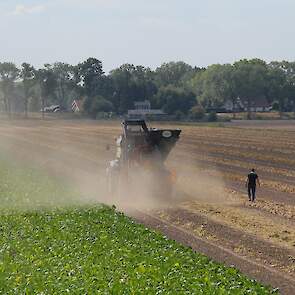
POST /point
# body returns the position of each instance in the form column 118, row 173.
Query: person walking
column 251, row 185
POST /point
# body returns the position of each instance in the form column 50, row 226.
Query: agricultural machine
column 139, row 166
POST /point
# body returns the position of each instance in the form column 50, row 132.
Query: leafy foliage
column 175, row 87
column 96, row 105
column 172, row 99
column 27, row 74
column 27, row 189
column 173, row 73
column 212, row 117
column 131, row 83
column 8, row 75
column 197, row 112
column 89, row 76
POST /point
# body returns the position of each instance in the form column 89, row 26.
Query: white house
column 143, row 109
column 256, row 105
column 259, row 104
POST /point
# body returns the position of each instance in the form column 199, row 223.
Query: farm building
column 259, row 104
column 256, row 105
column 143, row 109
column 233, row 106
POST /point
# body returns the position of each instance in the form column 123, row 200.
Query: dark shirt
column 252, row 176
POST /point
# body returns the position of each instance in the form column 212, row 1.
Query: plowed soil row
column 223, row 253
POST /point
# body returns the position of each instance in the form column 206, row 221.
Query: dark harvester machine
column 139, row 164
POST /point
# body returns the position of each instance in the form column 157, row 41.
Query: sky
column 146, row 32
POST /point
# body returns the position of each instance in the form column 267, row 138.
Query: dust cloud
column 75, row 154
column 196, row 183
column 50, row 151
column 193, row 183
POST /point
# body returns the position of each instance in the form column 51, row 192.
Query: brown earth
column 210, row 205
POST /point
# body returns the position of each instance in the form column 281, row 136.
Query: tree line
column 177, row 88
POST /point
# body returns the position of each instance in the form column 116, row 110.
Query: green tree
column 250, row 79
column 46, row 79
column 90, row 76
column 212, row 117
column 131, row 83
column 173, row 73
column 27, row 75
column 8, row 75
column 282, row 84
column 276, row 105
column 214, row 85
column 97, row 104
column 172, row 99
column 65, row 85
column 197, row 112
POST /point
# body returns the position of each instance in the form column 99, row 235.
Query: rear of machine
column 139, row 167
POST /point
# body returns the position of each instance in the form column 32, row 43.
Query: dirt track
column 212, row 164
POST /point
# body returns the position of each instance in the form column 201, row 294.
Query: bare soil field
column 269, row 124
column 210, row 203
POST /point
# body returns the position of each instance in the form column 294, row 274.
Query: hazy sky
column 147, row 32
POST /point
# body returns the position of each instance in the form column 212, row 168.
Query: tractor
column 139, row 167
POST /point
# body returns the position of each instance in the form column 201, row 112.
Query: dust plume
column 196, row 183
column 75, row 154
column 76, row 162
column 143, row 190
column 192, row 183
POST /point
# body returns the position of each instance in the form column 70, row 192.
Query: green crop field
column 52, row 243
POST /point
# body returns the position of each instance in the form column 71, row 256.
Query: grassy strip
column 24, row 188
column 93, row 250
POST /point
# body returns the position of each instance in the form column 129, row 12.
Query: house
column 143, row 109
column 259, row 104
column 77, row 106
column 142, row 105
column 233, row 106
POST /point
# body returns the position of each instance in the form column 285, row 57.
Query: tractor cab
column 135, row 127
column 136, row 135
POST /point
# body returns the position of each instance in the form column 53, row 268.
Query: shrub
column 178, row 115
column 197, row 112
column 212, row 117
column 275, row 106
column 98, row 104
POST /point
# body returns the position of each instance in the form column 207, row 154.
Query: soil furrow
column 254, row 269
